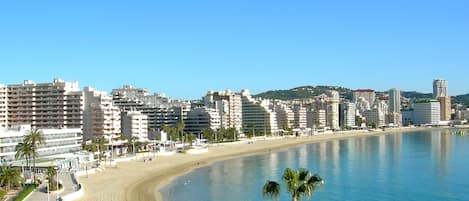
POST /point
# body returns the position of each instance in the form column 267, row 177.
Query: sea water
column 421, row 166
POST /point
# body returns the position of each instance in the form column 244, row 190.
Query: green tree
column 34, row 139
column 24, row 150
column 209, row 134
column 180, row 131
column 190, row 138
column 231, row 133
column 299, row 184
column 9, row 177
column 250, row 130
column 51, row 176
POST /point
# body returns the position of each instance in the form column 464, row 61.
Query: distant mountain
column 305, row 92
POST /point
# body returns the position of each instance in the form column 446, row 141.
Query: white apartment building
column 228, row 105
column 57, row 104
column 3, row 106
column 394, row 100
column 367, row 94
column 299, row 116
column 135, row 124
column 347, row 114
column 100, row 116
column 426, row 112
column 257, row 115
column 332, row 110
column 285, row 116
column 199, row 119
column 58, row 142
column 160, row 110
column 440, row 88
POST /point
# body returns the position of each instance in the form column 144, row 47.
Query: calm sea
column 421, row 166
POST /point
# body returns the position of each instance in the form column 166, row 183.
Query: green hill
column 306, row 92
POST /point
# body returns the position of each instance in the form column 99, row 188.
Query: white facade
column 395, row 100
column 257, row 115
column 45, row 105
column 367, row 94
column 426, row 112
column 347, row 114
column 161, row 110
column 199, row 119
column 376, row 117
column 285, row 115
column 135, row 124
column 3, row 106
column 57, row 141
column 100, row 116
column 333, row 111
column 300, row 117
column 440, row 88
column 228, row 105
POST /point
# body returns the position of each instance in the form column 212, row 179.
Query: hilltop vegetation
column 306, row 92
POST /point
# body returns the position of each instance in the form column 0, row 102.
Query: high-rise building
column 332, row 111
column 135, row 124
column 45, row 105
column 375, row 117
column 394, row 100
column 202, row 118
column 367, row 94
column 257, row 116
column 440, row 88
column 100, row 116
column 228, row 105
column 161, row 110
column 347, row 113
column 285, row 115
column 426, row 111
column 3, row 107
column 440, row 93
column 445, row 108
column 299, row 116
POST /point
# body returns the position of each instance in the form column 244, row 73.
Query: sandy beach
column 140, row 181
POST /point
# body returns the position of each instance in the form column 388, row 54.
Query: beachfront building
column 161, row 110
column 310, row 118
column 228, row 105
column 426, row 111
column 375, row 117
column 134, row 124
column 332, row 110
column 3, row 106
column 394, row 100
column 202, row 118
column 299, row 116
column 285, row 115
column 326, row 111
column 368, row 95
column 440, row 93
column 58, row 104
column 100, row 116
column 59, row 142
column 347, row 113
column 257, row 116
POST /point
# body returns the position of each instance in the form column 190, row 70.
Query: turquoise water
column 423, row 166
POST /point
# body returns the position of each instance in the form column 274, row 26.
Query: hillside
column 305, row 92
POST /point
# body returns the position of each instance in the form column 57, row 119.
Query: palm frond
column 271, row 190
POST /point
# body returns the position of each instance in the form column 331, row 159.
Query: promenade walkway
column 69, row 186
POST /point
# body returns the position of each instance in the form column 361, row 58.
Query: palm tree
column 9, row 177
column 34, row 139
column 24, row 150
column 180, row 131
column 51, row 176
column 299, row 184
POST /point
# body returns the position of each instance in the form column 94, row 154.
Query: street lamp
column 57, row 173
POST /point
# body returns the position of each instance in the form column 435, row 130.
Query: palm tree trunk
column 294, row 198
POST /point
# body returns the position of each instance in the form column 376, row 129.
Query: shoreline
column 147, row 182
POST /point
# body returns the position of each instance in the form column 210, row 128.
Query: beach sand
column 140, row 181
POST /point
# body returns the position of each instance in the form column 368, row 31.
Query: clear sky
column 184, row 48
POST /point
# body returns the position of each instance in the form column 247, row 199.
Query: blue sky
column 184, row 48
